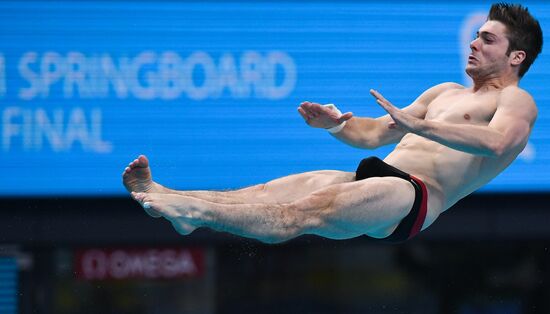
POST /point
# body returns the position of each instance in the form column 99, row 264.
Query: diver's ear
column 517, row 57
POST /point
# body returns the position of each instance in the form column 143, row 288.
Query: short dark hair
column 524, row 32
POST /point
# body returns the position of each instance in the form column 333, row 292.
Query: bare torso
column 451, row 174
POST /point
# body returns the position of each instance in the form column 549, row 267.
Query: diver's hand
column 400, row 119
column 319, row 116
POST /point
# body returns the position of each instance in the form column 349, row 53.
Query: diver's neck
column 494, row 83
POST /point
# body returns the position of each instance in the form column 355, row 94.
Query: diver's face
column 488, row 57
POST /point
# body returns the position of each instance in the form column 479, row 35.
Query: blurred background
column 209, row 91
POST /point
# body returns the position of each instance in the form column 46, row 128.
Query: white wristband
column 340, row 126
column 337, row 128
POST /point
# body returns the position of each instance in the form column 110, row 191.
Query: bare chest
column 460, row 108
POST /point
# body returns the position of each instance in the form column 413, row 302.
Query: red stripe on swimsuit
column 422, row 211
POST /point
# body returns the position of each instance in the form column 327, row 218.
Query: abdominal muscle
column 448, row 174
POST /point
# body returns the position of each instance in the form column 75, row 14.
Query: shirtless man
column 451, row 141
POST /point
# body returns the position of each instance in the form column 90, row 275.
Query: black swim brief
column 411, row 225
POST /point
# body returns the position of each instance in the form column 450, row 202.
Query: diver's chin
column 472, row 72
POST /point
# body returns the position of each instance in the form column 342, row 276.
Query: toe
column 138, row 196
column 143, row 161
column 152, row 213
column 182, row 228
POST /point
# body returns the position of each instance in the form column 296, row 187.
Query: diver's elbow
column 497, row 150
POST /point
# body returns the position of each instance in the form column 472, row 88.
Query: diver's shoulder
column 518, row 99
column 514, row 92
column 438, row 90
column 446, row 87
column 450, row 85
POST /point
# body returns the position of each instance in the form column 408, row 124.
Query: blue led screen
column 209, row 91
column 8, row 285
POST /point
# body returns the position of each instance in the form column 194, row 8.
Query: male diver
column 451, row 141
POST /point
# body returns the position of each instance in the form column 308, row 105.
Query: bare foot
column 169, row 206
column 137, row 176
